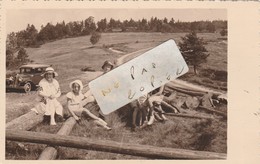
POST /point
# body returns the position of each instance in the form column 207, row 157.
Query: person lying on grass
column 76, row 109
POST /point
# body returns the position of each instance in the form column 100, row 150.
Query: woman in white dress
column 48, row 92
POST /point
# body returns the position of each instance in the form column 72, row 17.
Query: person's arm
column 71, row 111
column 88, row 98
column 42, row 90
column 160, row 91
column 57, row 86
column 211, row 102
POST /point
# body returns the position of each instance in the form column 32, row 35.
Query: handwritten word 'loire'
column 138, row 76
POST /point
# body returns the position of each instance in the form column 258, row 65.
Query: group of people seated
column 146, row 108
column 49, row 91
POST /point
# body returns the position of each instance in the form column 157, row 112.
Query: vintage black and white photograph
column 116, row 84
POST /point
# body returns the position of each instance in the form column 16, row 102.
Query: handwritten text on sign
column 138, row 76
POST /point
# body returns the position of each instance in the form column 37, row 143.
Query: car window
column 38, row 70
column 25, row 70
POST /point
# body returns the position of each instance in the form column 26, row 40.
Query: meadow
column 69, row 55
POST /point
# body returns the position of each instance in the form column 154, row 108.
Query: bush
column 223, row 32
column 95, row 36
column 193, row 49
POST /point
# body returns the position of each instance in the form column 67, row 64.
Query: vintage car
column 27, row 79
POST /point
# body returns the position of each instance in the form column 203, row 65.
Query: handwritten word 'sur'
column 138, row 76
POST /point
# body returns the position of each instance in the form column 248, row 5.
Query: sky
column 18, row 19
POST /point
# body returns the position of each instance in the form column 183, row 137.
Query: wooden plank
column 214, row 111
column 50, row 153
column 110, row 146
column 185, row 91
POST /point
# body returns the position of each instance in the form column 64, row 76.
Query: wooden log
column 110, row 146
column 214, row 111
column 185, row 91
column 50, row 153
column 187, row 116
column 193, row 87
column 25, row 122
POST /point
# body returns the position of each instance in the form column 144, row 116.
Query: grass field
column 69, row 55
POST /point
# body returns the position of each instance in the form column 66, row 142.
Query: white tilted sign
column 138, row 76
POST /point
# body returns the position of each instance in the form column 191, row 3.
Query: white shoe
column 108, row 128
column 151, row 120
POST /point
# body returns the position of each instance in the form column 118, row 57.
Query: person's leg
column 52, row 121
column 145, row 111
column 160, row 112
column 151, row 116
column 134, row 106
column 90, row 114
column 102, row 123
column 134, row 117
column 151, row 111
column 58, row 110
column 172, row 108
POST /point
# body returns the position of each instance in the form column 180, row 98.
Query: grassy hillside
column 69, row 55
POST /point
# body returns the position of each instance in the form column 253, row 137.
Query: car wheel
column 27, row 87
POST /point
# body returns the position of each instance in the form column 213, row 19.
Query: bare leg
column 101, row 123
column 52, row 122
column 161, row 114
column 173, row 109
column 134, row 117
column 90, row 114
column 151, row 116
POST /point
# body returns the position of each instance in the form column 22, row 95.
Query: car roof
column 34, row 66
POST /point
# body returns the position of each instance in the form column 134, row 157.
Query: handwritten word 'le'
column 106, row 92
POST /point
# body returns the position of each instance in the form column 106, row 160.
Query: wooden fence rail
column 110, row 146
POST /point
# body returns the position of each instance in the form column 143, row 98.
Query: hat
column 78, row 82
column 107, row 63
column 50, row 70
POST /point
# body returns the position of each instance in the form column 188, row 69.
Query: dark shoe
column 59, row 118
column 66, row 116
column 133, row 128
column 46, row 120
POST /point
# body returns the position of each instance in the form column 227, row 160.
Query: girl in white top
column 75, row 98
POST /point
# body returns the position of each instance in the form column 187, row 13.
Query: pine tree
column 193, row 50
column 22, row 56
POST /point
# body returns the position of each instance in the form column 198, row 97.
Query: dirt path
column 130, row 56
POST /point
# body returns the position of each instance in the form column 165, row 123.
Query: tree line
column 31, row 37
